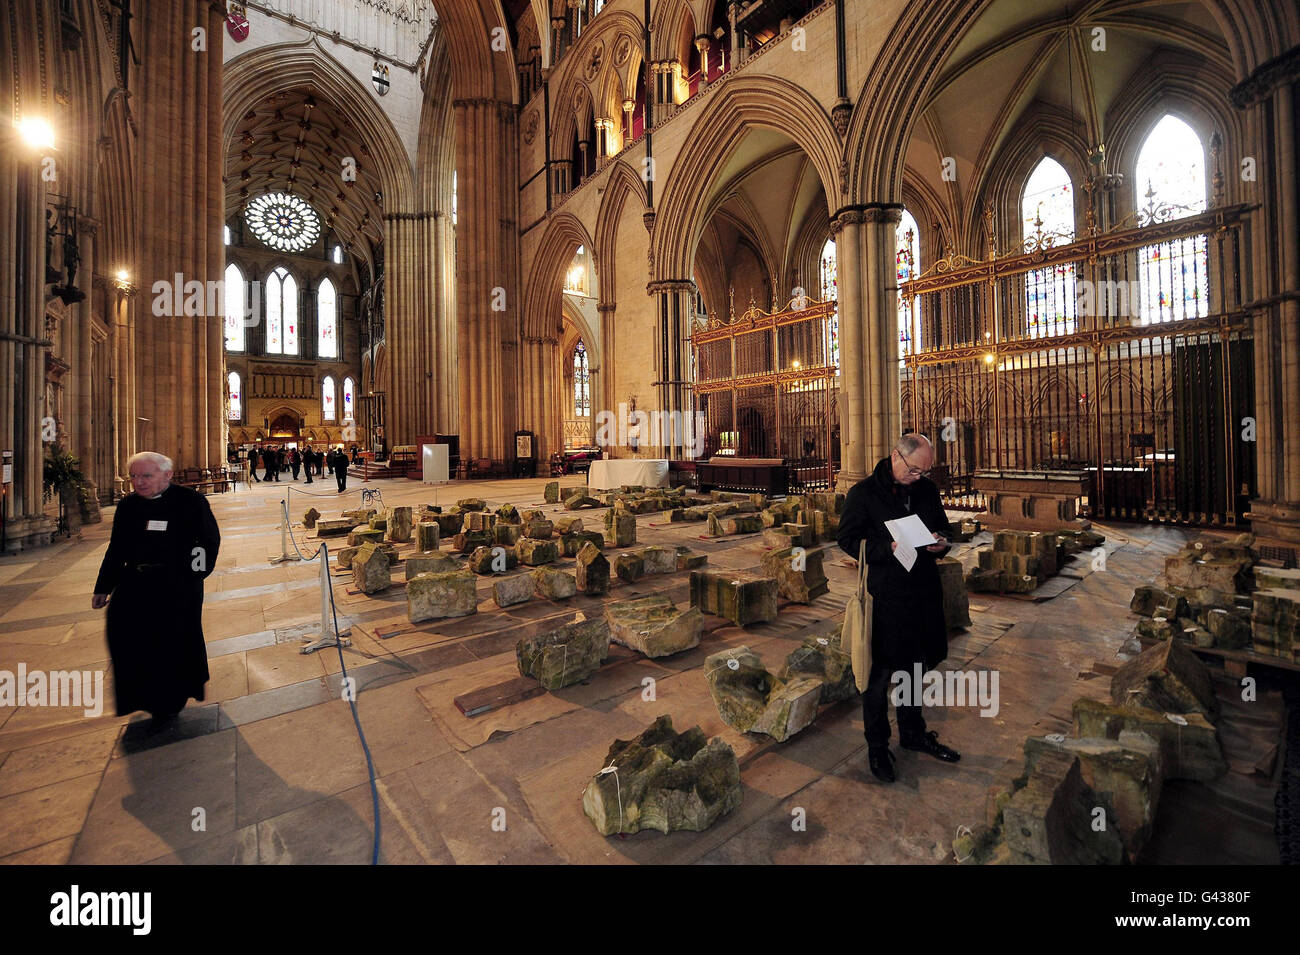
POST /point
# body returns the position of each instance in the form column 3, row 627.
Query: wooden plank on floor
column 494, row 697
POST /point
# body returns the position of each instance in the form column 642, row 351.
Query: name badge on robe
column 156, row 526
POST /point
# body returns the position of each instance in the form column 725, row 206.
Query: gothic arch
column 253, row 76
column 762, row 101
column 564, row 233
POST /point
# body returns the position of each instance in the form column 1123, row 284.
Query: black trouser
column 295, row 470
column 342, row 479
column 307, row 468
column 269, row 469
column 875, row 704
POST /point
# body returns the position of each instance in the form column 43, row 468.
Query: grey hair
column 164, row 463
column 909, row 443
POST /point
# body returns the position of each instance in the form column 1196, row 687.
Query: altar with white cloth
column 647, row 472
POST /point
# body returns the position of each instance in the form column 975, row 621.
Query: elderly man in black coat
column 163, row 546
column 907, row 622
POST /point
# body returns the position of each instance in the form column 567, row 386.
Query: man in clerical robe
column 163, row 546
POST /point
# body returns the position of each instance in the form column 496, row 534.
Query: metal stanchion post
column 330, row 636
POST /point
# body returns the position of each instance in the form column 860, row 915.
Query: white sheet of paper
column 911, row 533
column 156, row 526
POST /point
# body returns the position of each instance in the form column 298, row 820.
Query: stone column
column 883, row 415
column 676, row 299
column 487, row 281
column 846, row 229
column 1275, row 513
column 543, row 379
column 603, row 399
column 180, row 381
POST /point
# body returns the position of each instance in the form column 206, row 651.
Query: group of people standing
column 275, row 460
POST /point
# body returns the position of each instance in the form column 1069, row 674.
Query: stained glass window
column 830, row 293
column 327, row 344
column 274, row 319
column 283, row 221
column 233, row 295
column 1170, row 184
column 327, row 399
column 581, row 383
column 347, row 400
column 338, row 255
column 290, row 312
column 236, row 405
column 907, row 265
column 1047, row 220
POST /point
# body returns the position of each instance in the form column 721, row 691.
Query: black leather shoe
column 881, row 761
column 929, row 743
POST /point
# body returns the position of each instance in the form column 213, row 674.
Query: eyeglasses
column 913, row 471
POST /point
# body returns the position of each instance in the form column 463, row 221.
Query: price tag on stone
column 1175, row 718
column 733, row 664
column 823, row 641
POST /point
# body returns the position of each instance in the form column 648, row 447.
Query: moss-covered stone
column 654, row 626
column 567, row 655
column 663, row 780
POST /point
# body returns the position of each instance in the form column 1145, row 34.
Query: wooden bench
column 204, row 479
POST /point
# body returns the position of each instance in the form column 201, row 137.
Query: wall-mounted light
column 36, row 132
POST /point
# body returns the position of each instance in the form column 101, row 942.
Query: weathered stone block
column 1228, row 575
column 629, row 567
column 370, row 569
column 740, row 597
column 363, row 533
column 507, row 535
column 539, row 530
column 956, row 604
column 360, row 515
column 554, row 584
column 663, row 780
column 450, row 523
column 379, row 522
column 534, row 553
column 982, row 580
column 686, row 560
column 343, row 556
column 593, row 570
column 575, row 501
column 1188, row 749
column 426, row 536
column 472, row 504
column 564, row 656
column 653, row 626
column 1049, row 819
column 434, row 563
column 623, row 527
column 799, row 579
column 568, row 524
column 309, row 518
column 480, row 521
column 570, row 544
column 1124, row 772
column 821, row 658
column 492, row 560
column 551, row 493
column 508, row 591
column 1166, row 677
column 467, row 541
column 399, row 528
column 508, row 514
column 729, row 526
column 752, row 700
column 333, row 528
column 1230, row 628
column 432, row 596
column 658, row 560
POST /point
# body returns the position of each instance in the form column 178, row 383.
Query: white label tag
column 156, row 526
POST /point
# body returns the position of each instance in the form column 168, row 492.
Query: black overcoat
column 159, row 553
column 907, row 623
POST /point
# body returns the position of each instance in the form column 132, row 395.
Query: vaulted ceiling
column 297, row 142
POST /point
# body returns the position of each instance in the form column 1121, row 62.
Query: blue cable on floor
column 323, row 553
column 356, row 718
